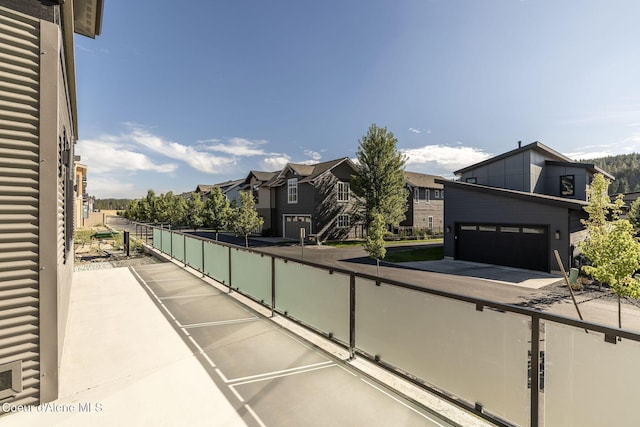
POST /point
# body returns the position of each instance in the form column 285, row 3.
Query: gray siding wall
column 582, row 178
column 417, row 214
column 304, row 206
column 475, row 207
column 20, row 236
column 36, row 160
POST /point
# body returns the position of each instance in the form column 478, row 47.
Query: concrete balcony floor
column 156, row 345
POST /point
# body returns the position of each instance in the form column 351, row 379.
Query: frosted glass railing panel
column 193, row 253
column 589, row 382
column 479, row 356
column 314, row 296
column 177, row 246
column 166, row 241
column 216, row 262
column 251, row 274
column 156, row 238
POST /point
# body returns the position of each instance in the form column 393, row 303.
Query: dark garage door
column 511, row 245
column 293, row 224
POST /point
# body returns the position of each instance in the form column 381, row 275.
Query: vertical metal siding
column 19, row 172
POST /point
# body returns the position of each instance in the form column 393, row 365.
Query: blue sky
column 176, row 94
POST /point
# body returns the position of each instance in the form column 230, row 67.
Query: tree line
column 626, row 170
column 215, row 212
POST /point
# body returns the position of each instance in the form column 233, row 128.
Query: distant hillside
column 625, row 168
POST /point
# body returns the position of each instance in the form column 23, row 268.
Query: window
column 437, row 194
column 426, row 195
column 343, row 191
column 416, row 195
column 292, row 190
column 567, row 187
column 430, row 222
column 343, row 221
column 473, row 180
column 442, row 194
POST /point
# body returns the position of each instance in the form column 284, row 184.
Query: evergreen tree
column 379, row 181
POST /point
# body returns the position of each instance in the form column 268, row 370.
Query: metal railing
column 508, row 364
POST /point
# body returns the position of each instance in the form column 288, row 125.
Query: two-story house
column 517, row 208
column 425, row 205
column 38, row 131
column 317, row 198
column 258, row 183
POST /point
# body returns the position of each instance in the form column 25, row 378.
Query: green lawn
column 422, row 254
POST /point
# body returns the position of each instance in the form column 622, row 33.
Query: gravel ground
column 114, row 261
column 559, row 292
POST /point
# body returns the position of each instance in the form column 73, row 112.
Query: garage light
column 557, row 235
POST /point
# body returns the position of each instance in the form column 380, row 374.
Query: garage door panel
column 514, row 246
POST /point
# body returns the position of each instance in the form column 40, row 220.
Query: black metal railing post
column 535, row 369
column 229, row 269
column 273, row 286
column 352, row 316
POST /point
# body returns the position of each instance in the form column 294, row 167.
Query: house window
column 430, row 222
column 416, row 195
column 343, row 191
column 567, row 185
column 426, row 195
column 343, row 221
column 292, row 190
column 442, row 194
column 472, row 180
column 437, row 194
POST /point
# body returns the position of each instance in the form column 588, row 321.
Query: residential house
column 257, row 182
column 38, row 130
column 80, row 196
column 425, row 206
column 316, row 198
column 230, row 189
column 517, row 208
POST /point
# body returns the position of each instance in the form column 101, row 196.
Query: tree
column 245, row 216
column 171, row 208
column 634, row 213
column 216, row 211
column 374, row 245
column 148, row 207
column 194, row 217
column 379, row 181
column 610, row 245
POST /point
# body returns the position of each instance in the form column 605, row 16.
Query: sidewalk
column 123, row 364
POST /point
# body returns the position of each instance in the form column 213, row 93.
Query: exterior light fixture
column 448, row 229
column 557, row 235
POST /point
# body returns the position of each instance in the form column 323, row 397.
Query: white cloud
column 236, row 147
column 275, row 162
column 107, row 186
column 106, row 155
column 419, row 131
column 443, row 156
column 313, row 154
column 198, row 160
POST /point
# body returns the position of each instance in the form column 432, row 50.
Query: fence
column 510, row 365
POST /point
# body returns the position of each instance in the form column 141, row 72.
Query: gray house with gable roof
column 315, row 197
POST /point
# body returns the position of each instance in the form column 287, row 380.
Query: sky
column 176, row 94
